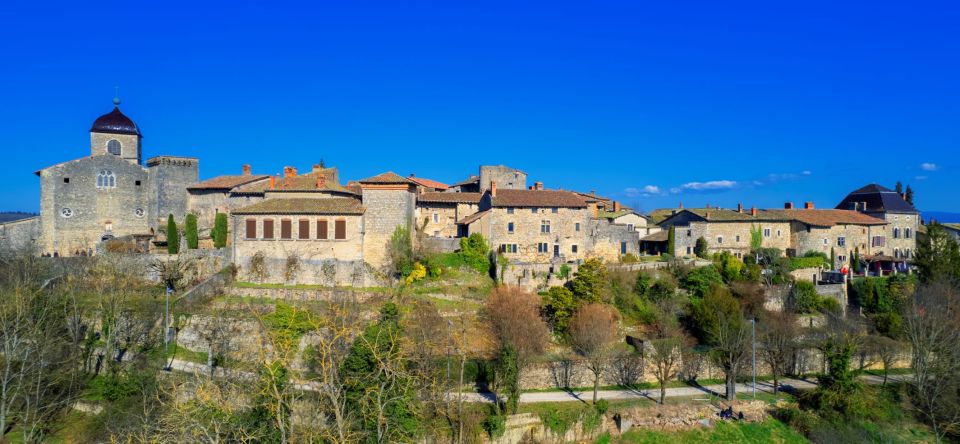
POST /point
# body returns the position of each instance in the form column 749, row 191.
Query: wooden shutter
column 340, row 229
column 286, row 229
column 268, row 228
column 251, row 228
column 321, row 229
column 304, row 230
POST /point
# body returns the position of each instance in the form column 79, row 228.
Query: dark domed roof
column 115, row 122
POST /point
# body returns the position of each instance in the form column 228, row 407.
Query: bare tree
column 593, row 334
column 932, row 327
column 514, row 319
column 778, row 343
column 665, row 351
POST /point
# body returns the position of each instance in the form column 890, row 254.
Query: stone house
column 109, row 194
column 438, row 213
column 633, row 220
column 840, row 232
column 390, row 199
column 953, row 230
column 892, row 248
column 726, row 230
column 210, row 197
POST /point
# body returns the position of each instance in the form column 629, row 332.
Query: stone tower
column 115, row 134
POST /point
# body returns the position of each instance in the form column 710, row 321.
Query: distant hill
column 941, row 216
column 9, row 216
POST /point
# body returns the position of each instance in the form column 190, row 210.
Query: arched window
column 113, row 147
column 106, row 179
column 896, row 233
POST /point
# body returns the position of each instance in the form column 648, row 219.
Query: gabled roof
column 329, row 206
column 428, row 183
column 616, row 214
column 537, row 198
column 468, row 181
column 815, row 217
column 226, row 182
column 660, row 236
column 440, row 197
column 878, row 199
column 473, row 217
column 388, row 177
column 828, row 218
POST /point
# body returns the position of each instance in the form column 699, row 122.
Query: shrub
column 629, row 258
column 564, row 271
column 495, row 425
column 417, row 273
column 699, row 280
column 804, row 297
column 219, row 232
column 559, row 305
column 173, row 236
column 602, row 406
column 811, row 259
column 589, row 280
column 473, row 251
column 700, row 249
column 190, row 231
column 401, row 251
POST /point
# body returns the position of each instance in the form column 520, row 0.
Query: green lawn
column 769, row 431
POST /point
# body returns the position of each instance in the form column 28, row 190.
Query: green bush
column 629, row 259
column 219, row 232
column 814, row 261
column 495, row 425
column 699, row 280
column 804, row 297
column 473, row 252
column 173, row 236
column 190, row 231
column 602, row 406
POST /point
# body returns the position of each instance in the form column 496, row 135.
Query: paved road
column 579, row 395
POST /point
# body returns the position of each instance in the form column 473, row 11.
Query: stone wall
column 735, row 236
column 506, row 177
column 610, row 241
column 387, row 209
column 900, row 244
column 206, row 204
column 129, row 145
column 22, row 233
column 823, row 239
column 437, row 219
column 170, row 176
column 569, row 227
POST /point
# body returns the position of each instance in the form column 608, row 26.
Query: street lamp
column 753, row 328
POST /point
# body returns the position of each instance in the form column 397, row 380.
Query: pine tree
column 190, row 232
column 219, row 233
column 173, row 236
column 938, row 255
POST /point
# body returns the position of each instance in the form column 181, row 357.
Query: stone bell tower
column 115, row 134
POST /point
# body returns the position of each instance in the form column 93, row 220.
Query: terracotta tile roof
column 226, row 182
column 660, row 236
column 333, row 205
column 827, row 218
column 450, row 197
column 303, row 182
column 388, row 177
column 473, row 217
column 592, row 197
column 468, row 181
column 428, row 183
column 538, row 198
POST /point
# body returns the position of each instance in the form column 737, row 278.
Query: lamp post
column 753, row 328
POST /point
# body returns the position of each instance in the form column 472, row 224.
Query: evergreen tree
column 700, row 249
column 899, row 187
column 909, row 195
column 190, row 231
column 588, row 282
column 671, row 241
column 938, row 256
column 173, row 236
column 833, row 258
column 219, row 233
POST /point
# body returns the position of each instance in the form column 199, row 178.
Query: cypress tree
column 190, row 232
column 671, row 241
column 220, row 231
column 173, row 236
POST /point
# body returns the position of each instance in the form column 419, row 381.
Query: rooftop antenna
column 116, row 96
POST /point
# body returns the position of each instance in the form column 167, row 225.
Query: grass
column 308, row 287
column 769, row 431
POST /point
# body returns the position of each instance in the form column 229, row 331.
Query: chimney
column 808, row 205
column 316, row 167
column 708, row 205
column 493, row 188
column 321, row 181
column 538, row 186
column 788, row 206
column 273, row 182
column 753, row 211
column 289, row 171
column 706, row 215
column 739, row 207
column 616, row 206
column 246, row 170
column 863, row 206
column 530, row 187
column 681, row 205
column 593, row 193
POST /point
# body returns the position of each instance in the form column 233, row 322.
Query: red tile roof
column 428, row 183
column 450, row 197
column 225, row 182
column 333, row 206
column 388, row 177
column 538, row 198
column 473, row 217
column 827, row 218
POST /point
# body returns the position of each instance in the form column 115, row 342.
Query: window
column 66, row 212
column 436, row 233
column 766, row 232
column 623, row 247
column 688, row 250
column 738, row 238
column 286, row 228
column 340, row 229
column 108, row 226
column 719, row 239
column 533, row 210
column 573, row 248
column 896, row 217
column 106, row 179
column 545, row 226
column 896, row 232
column 878, row 241
column 907, row 233
column 268, row 228
column 137, row 183
column 841, row 241
column 303, row 230
column 554, row 210
column 66, row 180
column 629, row 227
column 576, row 226
column 251, row 229
column 826, row 241
column 543, row 247
column 509, row 210
column 907, row 253
column 113, row 147
column 841, row 258
column 689, row 233
column 510, row 227
column 778, row 233
column 436, row 218
column 321, row 229
column 508, row 248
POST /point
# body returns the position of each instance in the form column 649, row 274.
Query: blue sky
column 647, row 102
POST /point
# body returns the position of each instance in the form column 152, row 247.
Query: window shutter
column 268, row 228
column 285, row 229
column 304, row 229
column 251, row 228
column 321, row 229
column 340, row 229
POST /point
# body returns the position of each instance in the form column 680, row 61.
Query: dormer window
column 113, row 147
column 106, row 179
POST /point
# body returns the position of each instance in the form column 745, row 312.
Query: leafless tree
column 665, row 349
column 514, row 318
column 594, row 332
column 777, row 339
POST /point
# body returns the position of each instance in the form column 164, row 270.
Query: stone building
column 439, row 213
column 507, row 178
column 109, row 194
column 391, row 200
column 893, row 247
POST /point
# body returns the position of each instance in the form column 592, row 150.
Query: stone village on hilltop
column 341, row 232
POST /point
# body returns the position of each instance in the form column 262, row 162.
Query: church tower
column 116, row 135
